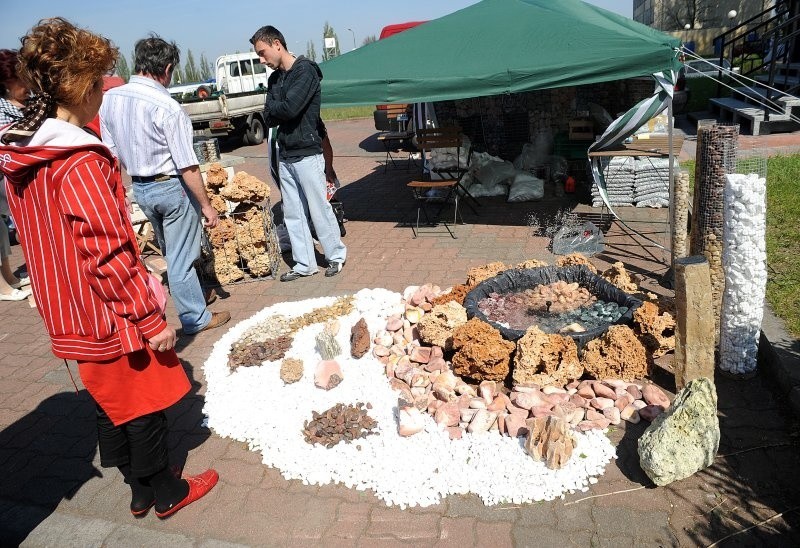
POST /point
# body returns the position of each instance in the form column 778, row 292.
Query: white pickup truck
column 234, row 104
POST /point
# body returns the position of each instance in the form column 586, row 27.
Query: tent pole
column 669, row 276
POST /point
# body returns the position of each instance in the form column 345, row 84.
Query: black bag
column 338, row 211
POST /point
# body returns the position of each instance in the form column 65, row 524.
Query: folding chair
column 397, row 115
column 144, row 230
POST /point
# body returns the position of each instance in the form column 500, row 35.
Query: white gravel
column 253, row 405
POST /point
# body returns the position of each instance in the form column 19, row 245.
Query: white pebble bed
column 253, row 405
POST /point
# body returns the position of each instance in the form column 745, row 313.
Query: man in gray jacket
column 293, row 104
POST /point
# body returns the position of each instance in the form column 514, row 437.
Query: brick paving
column 53, row 492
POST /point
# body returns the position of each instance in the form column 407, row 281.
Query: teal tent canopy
column 496, row 47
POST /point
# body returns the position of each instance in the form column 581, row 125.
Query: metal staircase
column 761, row 109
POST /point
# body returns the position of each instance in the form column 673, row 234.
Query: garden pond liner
column 517, row 279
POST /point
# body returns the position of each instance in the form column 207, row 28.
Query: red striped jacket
column 67, row 200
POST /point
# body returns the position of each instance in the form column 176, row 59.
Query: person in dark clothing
column 293, row 105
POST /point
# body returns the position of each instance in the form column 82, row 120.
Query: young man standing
column 152, row 136
column 293, row 104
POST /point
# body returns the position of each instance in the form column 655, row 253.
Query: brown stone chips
column 481, row 352
column 617, row 354
column 546, row 360
column 256, row 353
column 339, row 423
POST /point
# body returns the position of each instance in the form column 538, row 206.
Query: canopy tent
column 496, row 47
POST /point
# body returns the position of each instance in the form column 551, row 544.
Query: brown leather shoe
column 217, row 319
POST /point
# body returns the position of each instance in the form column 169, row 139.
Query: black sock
column 169, row 489
column 142, row 494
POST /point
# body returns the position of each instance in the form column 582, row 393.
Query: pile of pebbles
column 404, row 471
column 339, row 423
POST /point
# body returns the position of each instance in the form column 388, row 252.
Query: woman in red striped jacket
column 68, row 202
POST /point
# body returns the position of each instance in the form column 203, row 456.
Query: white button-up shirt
column 147, row 129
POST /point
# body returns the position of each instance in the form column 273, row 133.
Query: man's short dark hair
column 268, row 34
column 153, row 54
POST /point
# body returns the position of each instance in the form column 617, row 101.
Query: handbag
column 157, row 291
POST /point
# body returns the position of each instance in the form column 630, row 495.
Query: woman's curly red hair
column 63, row 60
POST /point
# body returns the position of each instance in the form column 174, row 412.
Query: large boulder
column 683, row 439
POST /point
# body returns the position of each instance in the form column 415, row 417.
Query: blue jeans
column 303, row 190
column 175, row 216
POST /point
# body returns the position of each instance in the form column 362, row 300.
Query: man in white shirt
column 152, row 136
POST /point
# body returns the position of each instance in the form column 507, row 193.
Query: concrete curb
column 779, row 356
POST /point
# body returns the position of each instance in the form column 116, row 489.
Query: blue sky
column 224, row 26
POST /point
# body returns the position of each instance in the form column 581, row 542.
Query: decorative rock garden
column 335, row 389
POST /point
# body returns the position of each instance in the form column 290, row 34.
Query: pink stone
column 602, row 403
column 528, row 400
column 579, row 401
column 402, row 370
column 328, row 374
column 634, row 391
column 623, row 401
column 541, row 411
column 487, row 390
column 398, row 350
column 398, row 339
column 550, row 390
column 527, row 389
column 499, row 403
column 599, row 424
column 515, row 425
column 380, row 351
column 421, row 354
column 593, row 415
column 436, row 364
column 434, row 405
column 418, row 297
column 436, row 352
column 394, row 323
column 467, row 414
column 464, row 400
column 448, row 414
column 482, row 421
column 612, row 415
column 616, row 383
column 573, row 384
column 603, row 391
column 630, row 414
column 477, row 403
column 585, row 390
column 653, row 395
column 514, row 410
column 411, row 421
column 444, row 392
column 650, row 412
column 454, row 432
column 403, row 388
column 639, row 404
column 408, row 334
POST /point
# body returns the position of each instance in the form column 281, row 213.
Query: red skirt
column 135, row 384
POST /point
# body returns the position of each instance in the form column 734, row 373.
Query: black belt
column 160, row 178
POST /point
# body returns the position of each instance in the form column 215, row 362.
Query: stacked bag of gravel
column 651, row 183
column 619, row 175
column 744, row 260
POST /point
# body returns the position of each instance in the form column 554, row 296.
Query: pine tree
column 123, row 71
column 190, row 72
column 311, row 52
column 205, row 68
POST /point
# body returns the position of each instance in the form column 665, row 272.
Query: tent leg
column 668, row 279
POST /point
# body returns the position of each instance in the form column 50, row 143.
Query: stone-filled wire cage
column 244, row 245
column 717, row 147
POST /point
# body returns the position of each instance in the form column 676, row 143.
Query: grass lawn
column 783, row 237
column 347, row 113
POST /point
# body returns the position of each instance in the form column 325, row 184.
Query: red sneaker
column 199, row 486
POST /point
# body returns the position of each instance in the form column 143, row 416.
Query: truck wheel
column 203, row 91
column 254, row 135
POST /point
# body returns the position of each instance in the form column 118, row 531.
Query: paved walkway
column 53, row 492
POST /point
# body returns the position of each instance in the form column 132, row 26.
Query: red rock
column 579, row 401
column 573, row 384
column 650, row 412
column 380, row 351
column 653, row 395
column 499, row 403
column 593, row 415
column 328, row 374
column 585, row 390
column 421, row 354
column 436, row 352
column 612, row 415
column 603, row 391
column 542, row 411
column 528, row 400
column 616, row 383
column 436, row 364
column 464, row 400
column 448, row 414
column 402, row 370
column 359, row 339
column 623, row 401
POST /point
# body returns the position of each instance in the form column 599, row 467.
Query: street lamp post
column 354, row 38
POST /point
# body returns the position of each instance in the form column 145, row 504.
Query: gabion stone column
column 744, row 259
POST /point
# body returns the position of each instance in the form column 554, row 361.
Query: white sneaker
column 15, row 295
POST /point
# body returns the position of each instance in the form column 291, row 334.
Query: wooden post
column 695, row 339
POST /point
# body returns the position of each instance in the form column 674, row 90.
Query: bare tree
column 311, row 51
column 679, row 13
column 369, row 40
